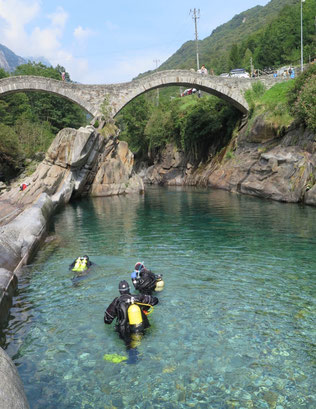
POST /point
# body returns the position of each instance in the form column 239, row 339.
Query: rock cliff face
column 81, row 162
column 265, row 161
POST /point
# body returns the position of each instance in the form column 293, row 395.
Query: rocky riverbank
column 264, row 161
column 78, row 163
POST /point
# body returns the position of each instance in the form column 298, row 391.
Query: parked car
column 188, row 91
column 239, row 73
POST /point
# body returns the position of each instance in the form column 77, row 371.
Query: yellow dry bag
column 134, row 315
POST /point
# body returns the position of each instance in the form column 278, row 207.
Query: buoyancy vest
column 130, row 317
column 80, row 265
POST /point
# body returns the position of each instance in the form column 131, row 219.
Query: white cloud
column 38, row 41
column 81, row 33
column 59, row 17
column 15, row 14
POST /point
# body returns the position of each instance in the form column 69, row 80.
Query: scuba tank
column 80, row 265
column 134, row 314
column 159, row 284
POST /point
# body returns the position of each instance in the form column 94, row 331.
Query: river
column 235, row 324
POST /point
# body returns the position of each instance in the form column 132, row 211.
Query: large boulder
column 81, row 162
column 66, row 166
column 114, row 172
column 21, row 237
column 170, row 169
column 12, row 395
column 262, row 131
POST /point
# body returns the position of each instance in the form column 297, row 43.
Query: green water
column 235, row 326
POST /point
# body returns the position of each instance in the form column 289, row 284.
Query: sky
column 106, row 42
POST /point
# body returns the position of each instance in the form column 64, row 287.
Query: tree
column 3, row 73
column 234, row 57
column 132, row 121
column 247, row 61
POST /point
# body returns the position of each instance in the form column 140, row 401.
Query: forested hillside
column 270, row 35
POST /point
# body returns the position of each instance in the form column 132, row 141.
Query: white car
column 239, row 73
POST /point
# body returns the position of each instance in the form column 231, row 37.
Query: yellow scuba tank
column 80, row 265
column 77, row 265
column 159, row 285
column 134, row 315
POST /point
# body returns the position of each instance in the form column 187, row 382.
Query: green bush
column 9, row 141
column 302, row 97
column 254, row 94
column 305, row 105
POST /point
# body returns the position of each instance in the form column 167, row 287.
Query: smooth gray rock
column 21, row 237
column 8, row 284
column 12, row 395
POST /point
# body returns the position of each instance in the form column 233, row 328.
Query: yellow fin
column 115, row 358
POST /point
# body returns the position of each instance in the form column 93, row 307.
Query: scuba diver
column 130, row 311
column 80, row 267
column 80, row 264
column 145, row 281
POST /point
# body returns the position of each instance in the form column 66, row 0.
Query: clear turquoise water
column 235, row 326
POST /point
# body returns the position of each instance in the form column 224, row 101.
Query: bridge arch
column 24, row 83
column 91, row 97
column 228, row 89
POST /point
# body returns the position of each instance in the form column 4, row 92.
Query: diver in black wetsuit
column 131, row 318
column 145, row 281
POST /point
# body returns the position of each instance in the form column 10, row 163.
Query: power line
column 195, row 17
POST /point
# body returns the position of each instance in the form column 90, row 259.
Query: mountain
column 41, row 60
column 8, row 60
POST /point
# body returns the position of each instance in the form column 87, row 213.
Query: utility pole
column 195, row 17
column 157, row 101
column 302, row 60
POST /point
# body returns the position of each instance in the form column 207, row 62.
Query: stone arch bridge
column 91, row 97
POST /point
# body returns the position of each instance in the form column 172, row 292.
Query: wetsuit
column 118, row 309
column 145, row 281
